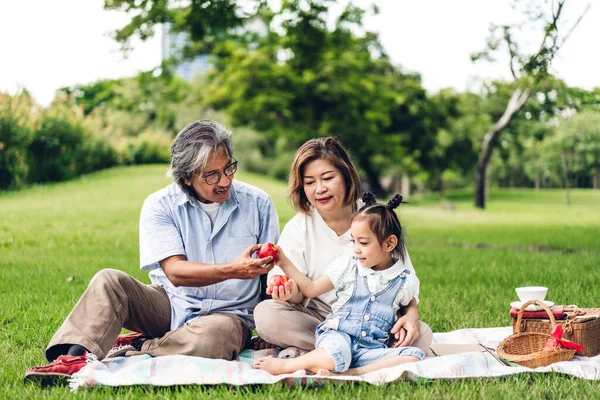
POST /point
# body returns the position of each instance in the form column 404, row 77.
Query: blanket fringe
column 76, row 380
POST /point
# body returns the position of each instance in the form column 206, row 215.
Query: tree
column 584, row 129
column 303, row 80
column 528, row 69
column 146, row 99
column 459, row 116
column 205, row 21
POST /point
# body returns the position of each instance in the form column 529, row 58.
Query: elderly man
column 197, row 238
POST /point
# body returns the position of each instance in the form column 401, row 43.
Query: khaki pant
column 115, row 300
column 291, row 325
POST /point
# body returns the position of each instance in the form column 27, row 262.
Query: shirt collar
column 386, row 274
column 182, row 197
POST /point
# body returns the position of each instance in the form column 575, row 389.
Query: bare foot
column 325, row 372
column 274, row 366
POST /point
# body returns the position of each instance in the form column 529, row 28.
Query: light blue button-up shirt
column 171, row 224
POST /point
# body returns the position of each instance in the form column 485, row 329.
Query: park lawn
column 54, row 238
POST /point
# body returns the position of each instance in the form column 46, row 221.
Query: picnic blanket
column 187, row 370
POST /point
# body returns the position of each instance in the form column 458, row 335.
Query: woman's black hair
column 384, row 222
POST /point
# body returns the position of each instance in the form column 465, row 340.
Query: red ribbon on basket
column 557, row 340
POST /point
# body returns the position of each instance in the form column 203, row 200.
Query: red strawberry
column 268, row 249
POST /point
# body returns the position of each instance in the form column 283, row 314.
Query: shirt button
column 363, row 334
column 373, row 298
column 367, row 317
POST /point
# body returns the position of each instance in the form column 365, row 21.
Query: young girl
column 370, row 287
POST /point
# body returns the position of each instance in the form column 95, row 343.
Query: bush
column 95, row 154
column 13, row 153
column 18, row 118
column 52, row 152
column 453, row 180
column 151, row 147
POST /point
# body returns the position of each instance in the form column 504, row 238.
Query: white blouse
column 341, row 272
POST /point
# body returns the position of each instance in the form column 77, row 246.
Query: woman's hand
column 406, row 328
column 284, row 292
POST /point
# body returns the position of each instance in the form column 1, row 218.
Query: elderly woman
column 197, row 237
column 324, row 187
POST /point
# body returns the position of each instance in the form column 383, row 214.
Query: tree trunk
column 480, row 185
column 405, row 192
column 372, row 177
column 537, row 182
column 595, row 181
column 486, row 196
column 396, row 184
column 517, row 100
column 563, row 161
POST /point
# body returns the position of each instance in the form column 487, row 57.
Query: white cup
column 528, row 293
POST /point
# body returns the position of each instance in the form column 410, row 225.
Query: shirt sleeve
column 409, row 266
column 159, row 237
column 339, row 271
column 408, row 291
column 269, row 222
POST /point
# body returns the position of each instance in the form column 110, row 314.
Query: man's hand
column 246, row 267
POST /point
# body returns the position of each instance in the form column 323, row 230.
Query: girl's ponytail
column 394, row 202
column 368, row 198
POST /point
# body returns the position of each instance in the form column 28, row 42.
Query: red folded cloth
column 557, row 311
column 557, row 341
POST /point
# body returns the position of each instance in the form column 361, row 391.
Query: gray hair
column 192, row 149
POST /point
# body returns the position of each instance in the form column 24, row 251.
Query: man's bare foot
column 325, row 372
column 275, row 366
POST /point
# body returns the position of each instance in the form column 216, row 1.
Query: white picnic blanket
column 187, row 370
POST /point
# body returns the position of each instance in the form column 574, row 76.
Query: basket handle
column 539, row 303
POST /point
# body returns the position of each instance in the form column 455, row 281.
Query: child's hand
column 281, row 259
column 283, row 292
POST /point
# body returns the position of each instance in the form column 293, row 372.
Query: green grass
column 468, row 261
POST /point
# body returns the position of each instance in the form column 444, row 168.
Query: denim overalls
column 358, row 332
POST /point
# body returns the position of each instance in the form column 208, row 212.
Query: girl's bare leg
column 313, row 361
column 374, row 366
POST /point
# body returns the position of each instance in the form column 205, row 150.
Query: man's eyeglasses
column 215, row 177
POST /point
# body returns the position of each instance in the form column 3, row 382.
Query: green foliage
column 148, row 148
column 63, row 148
column 133, row 104
column 574, row 148
column 460, row 117
column 304, row 80
column 203, row 21
column 18, row 120
column 94, row 95
column 58, row 143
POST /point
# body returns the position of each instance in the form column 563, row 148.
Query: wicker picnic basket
column 581, row 325
column 527, row 348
